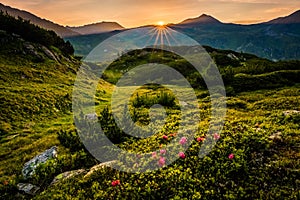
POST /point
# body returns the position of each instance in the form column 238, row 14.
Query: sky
column 133, row 13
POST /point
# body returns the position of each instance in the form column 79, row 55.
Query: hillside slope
column 60, row 30
column 36, row 72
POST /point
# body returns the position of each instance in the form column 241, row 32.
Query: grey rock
column 28, row 188
column 98, row 167
column 49, row 54
column 183, row 103
column 30, row 166
column 67, row 175
column 290, row 112
column 91, row 116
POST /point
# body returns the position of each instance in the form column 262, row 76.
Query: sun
column 161, row 23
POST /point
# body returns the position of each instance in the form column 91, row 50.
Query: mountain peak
column 293, row 18
column 202, row 19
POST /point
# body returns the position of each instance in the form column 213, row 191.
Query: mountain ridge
column 44, row 23
column 290, row 19
column 63, row 31
column 98, row 27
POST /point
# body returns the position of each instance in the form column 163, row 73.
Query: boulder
column 30, row 166
column 49, row 54
column 91, row 116
column 28, row 188
column 67, row 175
column 290, row 112
column 100, row 166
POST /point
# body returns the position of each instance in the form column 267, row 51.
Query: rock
column 290, row 112
column 30, row 166
column 67, row 175
column 183, row 103
column 100, row 166
column 276, row 136
column 232, row 56
column 91, row 116
column 28, row 188
column 49, row 54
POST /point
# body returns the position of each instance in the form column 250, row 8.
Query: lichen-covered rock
column 100, row 166
column 30, row 166
column 28, row 188
column 49, row 54
column 290, row 112
column 66, row 175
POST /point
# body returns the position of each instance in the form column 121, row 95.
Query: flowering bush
column 115, row 183
column 231, row 156
column 181, row 155
column 183, row 141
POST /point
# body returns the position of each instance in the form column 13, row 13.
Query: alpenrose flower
column 162, row 151
column 216, row 136
column 115, row 183
column 165, row 137
column 181, row 155
column 183, row 140
column 231, row 156
column 161, row 161
column 153, row 154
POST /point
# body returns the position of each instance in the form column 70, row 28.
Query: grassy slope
column 262, row 168
column 37, row 97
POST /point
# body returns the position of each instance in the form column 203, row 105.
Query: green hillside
column 256, row 157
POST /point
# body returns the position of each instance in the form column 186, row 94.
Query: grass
column 262, row 168
column 38, row 107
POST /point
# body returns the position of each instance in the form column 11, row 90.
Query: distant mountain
column 291, row 19
column 95, row 28
column 60, row 30
column 203, row 19
column 278, row 39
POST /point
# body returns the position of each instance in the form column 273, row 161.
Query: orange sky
column 132, row 13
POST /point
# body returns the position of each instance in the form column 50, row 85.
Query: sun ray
column 169, row 31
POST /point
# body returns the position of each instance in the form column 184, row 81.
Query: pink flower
column 216, row 136
column 153, row 154
column 231, row 156
column 115, row 183
column 183, row 140
column 161, row 161
column 165, row 137
column 162, row 151
column 181, row 155
column 200, row 139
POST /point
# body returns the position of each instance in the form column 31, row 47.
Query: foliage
column 33, row 33
column 262, row 168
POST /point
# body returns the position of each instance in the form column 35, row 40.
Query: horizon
column 56, row 11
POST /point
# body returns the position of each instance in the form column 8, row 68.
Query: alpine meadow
column 50, row 137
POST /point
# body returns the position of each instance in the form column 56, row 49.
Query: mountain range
column 278, row 39
column 59, row 29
